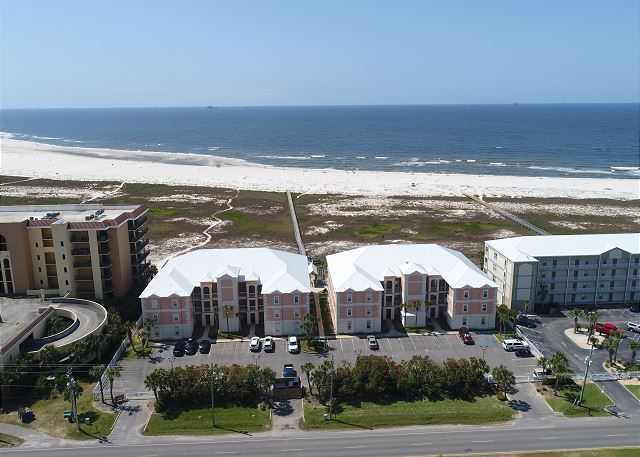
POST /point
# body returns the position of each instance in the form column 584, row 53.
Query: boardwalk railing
column 296, row 227
column 507, row 215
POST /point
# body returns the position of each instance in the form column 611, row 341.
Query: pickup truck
column 607, row 329
column 288, row 371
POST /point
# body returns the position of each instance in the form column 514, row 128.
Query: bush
column 501, row 396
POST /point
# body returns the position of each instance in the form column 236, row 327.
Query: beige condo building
column 86, row 251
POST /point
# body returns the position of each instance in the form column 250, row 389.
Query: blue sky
column 187, row 53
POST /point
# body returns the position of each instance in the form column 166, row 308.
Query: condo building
column 409, row 282
column 226, row 288
column 576, row 270
column 86, row 251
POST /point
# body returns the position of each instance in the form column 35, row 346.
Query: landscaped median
column 593, row 400
column 634, row 389
column 197, row 421
column 483, row 410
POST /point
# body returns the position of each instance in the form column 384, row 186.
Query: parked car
column 607, row 329
column 540, row 372
column 524, row 352
column 178, row 349
column 513, row 345
column 288, row 371
column 191, row 347
column 465, row 336
column 525, row 322
column 205, row 346
column 269, row 345
column 293, row 345
column 633, row 326
column 254, row 346
column 372, row 342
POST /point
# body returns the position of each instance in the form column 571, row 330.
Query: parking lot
column 437, row 346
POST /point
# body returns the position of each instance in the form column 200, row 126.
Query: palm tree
column 633, row 347
column 610, row 345
column 527, row 304
column 48, row 354
column 307, row 368
column 147, row 323
column 153, row 381
column 618, row 337
column 130, row 329
column 416, row 307
column 560, row 367
column 503, row 315
column 576, row 313
column 592, row 318
column 544, row 363
column 112, row 373
column 96, row 371
column 227, row 310
column 504, row 378
column 513, row 314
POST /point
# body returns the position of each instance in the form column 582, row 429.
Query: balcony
column 102, row 237
column 85, row 290
column 138, row 222
column 138, row 245
column 82, row 264
column 135, row 235
column 79, row 239
column 137, row 258
column 107, row 289
column 84, row 278
column 140, row 271
column 47, row 243
column 81, row 251
column 104, row 249
column 106, row 263
column 107, row 276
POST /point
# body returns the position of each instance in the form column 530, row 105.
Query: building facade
column 579, row 270
column 409, row 282
column 226, row 288
column 86, row 251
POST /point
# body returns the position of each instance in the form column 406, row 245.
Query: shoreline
column 74, row 163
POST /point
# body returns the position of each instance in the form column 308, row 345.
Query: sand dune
column 28, row 159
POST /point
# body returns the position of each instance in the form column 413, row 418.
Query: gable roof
column 365, row 267
column 275, row 270
column 528, row 248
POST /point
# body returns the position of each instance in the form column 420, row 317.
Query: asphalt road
column 519, row 436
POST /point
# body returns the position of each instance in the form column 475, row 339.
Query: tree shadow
column 283, row 408
column 352, row 424
column 241, row 432
column 520, row 405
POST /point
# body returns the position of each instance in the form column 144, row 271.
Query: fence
column 114, row 362
column 534, row 350
column 613, row 376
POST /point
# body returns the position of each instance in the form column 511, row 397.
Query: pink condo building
column 216, row 286
column 408, row 282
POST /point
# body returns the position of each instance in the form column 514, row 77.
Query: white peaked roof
column 527, row 248
column 364, row 268
column 275, row 270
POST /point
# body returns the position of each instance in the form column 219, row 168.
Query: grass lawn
column 634, row 389
column 620, row 452
column 129, row 353
column 304, row 347
column 197, row 421
column 327, row 322
column 506, row 336
column 49, row 418
column 9, row 440
column 483, row 410
column 593, row 401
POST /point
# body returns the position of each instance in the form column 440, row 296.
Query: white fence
column 613, row 376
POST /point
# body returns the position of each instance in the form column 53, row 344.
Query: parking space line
column 435, row 340
column 424, row 340
column 446, row 337
column 414, row 344
column 222, row 353
column 401, row 345
column 389, row 343
column 340, row 340
column 235, row 350
column 353, row 343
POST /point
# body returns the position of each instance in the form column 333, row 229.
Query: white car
column 633, row 326
column 293, row 345
column 255, row 344
column 268, row 344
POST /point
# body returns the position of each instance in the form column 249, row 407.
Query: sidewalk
column 131, row 420
column 286, row 416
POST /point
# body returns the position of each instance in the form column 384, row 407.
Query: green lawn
column 9, row 440
column 506, row 336
column 129, row 353
column 634, row 389
column 197, row 421
column 483, row 410
column 620, row 452
column 593, row 401
column 49, row 418
column 304, row 347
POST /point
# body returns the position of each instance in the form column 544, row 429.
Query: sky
column 119, row 53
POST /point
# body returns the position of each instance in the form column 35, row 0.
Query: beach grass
column 368, row 415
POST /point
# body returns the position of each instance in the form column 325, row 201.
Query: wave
column 318, row 156
column 46, row 137
column 361, row 157
column 214, row 148
column 633, row 169
column 420, row 163
column 471, row 160
column 284, row 157
column 381, row 157
column 498, row 164
column 570, row 170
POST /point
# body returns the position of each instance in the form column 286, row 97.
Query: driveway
column 286, row 416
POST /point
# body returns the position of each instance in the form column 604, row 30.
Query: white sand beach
column 28, row 159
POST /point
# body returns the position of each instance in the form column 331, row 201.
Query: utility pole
column 331, row 390
column 71, row 385
column 586, row 372
column 484, row 348
column 213, row 418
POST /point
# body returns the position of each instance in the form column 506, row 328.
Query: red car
column 465, row 336
column 607, row 329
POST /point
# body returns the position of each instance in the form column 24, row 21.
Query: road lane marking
column 549, row 438
column 482, row 441
column 290, row 450
column 421, row 444
column 352, row 447
column 618, row 434
column 225, row 452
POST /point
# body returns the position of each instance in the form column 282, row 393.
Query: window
column 495, row 256
column 64, row 257
column 464, row 321
column 368, row 298
column 41, row 282
column 368, row 311
column 555, row 263
column 155, row 318
column 61, row 243
column 466, row 294
column 296, row 313
column 38, row 257
column 186, row 302
column 176, row 331
column 349, row 298
column 577, row 262
column 40, row 269
column 349, row 311
column 349, row 325
column 615, row 261
column 66, row 282
column 483, row 320
column 276, row 313
column 65, row 269
column 484, row 307
column 368, row 325
column 485, row 293
column 465, row 307
column 575, row 274
column 296, row 299
column 276, row 299
column 174, row 302
column 176, row 317
column 36, row 244
column 154, row 303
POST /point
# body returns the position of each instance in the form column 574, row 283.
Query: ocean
column 590, row 140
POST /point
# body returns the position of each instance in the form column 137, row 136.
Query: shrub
column 501, row 396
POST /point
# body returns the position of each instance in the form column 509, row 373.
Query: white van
column 514, row 345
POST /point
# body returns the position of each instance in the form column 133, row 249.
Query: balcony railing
column 138, row 222
column 82, row 264
column 103, row 237
column 79, row 239
column 81, row 251
column 84, row 278
column 138, row 245
column 106, row 263
column 85, row 290
column 104, row 249
column 135, row 235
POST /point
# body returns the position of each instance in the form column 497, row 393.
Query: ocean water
column 590, row 140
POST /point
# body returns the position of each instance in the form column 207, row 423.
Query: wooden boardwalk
column 507, row 215
column 296, row 227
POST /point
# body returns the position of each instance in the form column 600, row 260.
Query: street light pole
column 586, row 372
column 213, row 419
column 484, row 348
column 71, row 384
column 331, row 390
